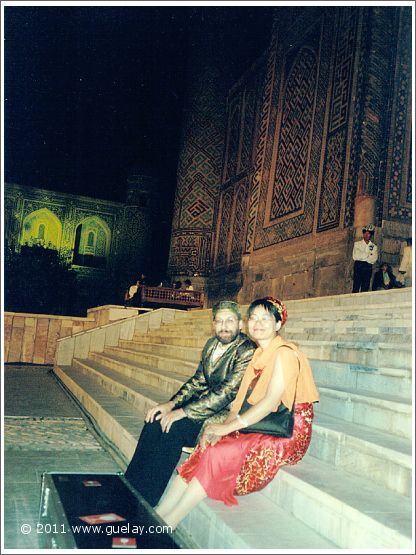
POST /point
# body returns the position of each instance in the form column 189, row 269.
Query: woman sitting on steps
column 227, row 462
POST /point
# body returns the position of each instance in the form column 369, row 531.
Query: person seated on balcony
column 206, row 397
column 177, row 285
column 385, row 279
column 165, row 283
column 130, row 296
column 133, row 295
column 188, row 285
column 228, row 462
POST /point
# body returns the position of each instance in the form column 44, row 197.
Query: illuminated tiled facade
column 322, row 120
column 97, row 237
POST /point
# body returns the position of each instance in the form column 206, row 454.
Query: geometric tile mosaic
column 335, row 152
column 294, row 137
column 298, row 58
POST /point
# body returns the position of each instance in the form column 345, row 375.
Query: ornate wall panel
column 224, row 230
column 335, row 156
column 357, row 118
column 201, row 155
column 240, row 214
column 287, row 193
column 233, row 138
column 298, row 59
column 31, row 205
column 124, row 236
column 190, row 252
column 330, row 198
column 197, row 205
column 261, row 139
column 250, row 102
column 398, row 183
column 199, row 170
column 82, row 214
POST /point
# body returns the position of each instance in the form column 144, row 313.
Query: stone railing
column 32, row 338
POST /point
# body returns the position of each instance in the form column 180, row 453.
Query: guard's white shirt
column 406, row 262
column 366, row 252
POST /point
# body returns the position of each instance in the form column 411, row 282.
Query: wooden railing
column 167, row 297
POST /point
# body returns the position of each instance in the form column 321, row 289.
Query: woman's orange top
column 297, row 375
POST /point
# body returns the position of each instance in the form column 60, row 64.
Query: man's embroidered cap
column 226, row 305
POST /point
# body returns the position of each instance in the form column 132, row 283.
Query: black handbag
column 279, row 423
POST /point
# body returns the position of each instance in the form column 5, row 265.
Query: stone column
column 376, row 98
column 200, row 159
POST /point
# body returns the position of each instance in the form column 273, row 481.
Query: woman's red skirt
column 243, row 463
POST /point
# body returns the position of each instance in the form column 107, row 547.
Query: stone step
column 355, row 337
column 400, row 298
column 354, row 447
column 367, row 354
column 390, row 413
column 354, row 376
column 141, row 396
column 178, row 340
column 393, row 296
column 370, row 353
column 342, row 325
column 362, row 451
column 374, row 335
column 118, row 421
column 225, row 532
column 340, row 508
column 211, row 525
column 188, row 353
column 166, row 382
column 184, row 368
column 382, row 412
column 394, row 309
column 349, row 510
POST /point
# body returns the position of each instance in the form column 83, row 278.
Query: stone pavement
column 44, row 431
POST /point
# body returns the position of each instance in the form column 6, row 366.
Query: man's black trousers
column 362, row 276
column 157, row 455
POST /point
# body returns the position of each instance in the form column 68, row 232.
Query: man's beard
column 227, row 339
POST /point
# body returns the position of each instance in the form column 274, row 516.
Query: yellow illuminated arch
column 42, row 227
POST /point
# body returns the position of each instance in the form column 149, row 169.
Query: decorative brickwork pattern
column 224, row 232
column 190, row 252
column 295, row 134
column 409, row 178
column 250, row 101
column 201, row 155
column 199, row 174
column 197, row 208
column 30, row 205
column 267, row 95
column 122, row 232
column 240, row 214
column 335, row 157
column 330, row 201
column 399, row 184
column 234, row 136
column 357, row 118
column 291, row 56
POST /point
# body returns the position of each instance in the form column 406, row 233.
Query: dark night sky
column 92, row 91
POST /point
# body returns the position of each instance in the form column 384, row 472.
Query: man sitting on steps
column 205, row 398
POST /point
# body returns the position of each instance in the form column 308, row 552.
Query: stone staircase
column 351, row 490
